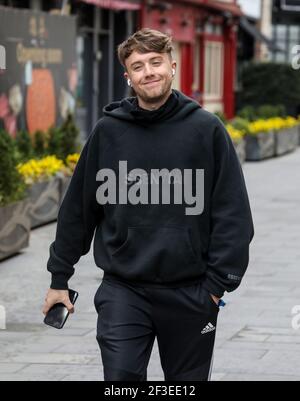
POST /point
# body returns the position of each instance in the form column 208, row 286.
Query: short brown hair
column 145, row 41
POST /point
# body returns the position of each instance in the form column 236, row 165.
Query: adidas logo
column 208, row 328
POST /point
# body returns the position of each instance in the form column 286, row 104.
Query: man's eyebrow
column 152, row 58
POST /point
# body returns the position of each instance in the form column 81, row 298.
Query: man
column 170, row 251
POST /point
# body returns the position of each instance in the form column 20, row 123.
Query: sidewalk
column 255, row 338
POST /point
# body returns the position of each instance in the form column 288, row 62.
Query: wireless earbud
column 128, row 82
column 173, row 72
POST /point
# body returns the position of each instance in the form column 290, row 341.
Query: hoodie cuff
column 59, row 282
column 213, row 288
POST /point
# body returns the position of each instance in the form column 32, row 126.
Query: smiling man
column 149, row 75
column 165, row 270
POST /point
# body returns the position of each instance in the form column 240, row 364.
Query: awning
column 232, row 8
column 229, row 7
column 257, row 35
column 114, row 4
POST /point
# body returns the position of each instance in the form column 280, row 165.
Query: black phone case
column 58, row 314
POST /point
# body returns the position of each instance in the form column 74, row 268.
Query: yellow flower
column 235, row 134
column 73, row 158
column 39, row 170
column 70, row 164
column 272, row 124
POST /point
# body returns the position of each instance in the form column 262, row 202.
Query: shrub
column 24, row 146
column 62, row 141
column 268, row 111
column 247, row 113
column 221, row 116
column 70, row 134
column 54, row 139
column 39, row 144
column 12, row 185
column 272, row 84
column 240, row 124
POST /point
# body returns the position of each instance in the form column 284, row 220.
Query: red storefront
column 204, row 34
column 205, row 37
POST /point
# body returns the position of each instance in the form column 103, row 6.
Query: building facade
column 205, row 40
column 286, row 29
column 38, row 81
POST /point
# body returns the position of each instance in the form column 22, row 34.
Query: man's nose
column 148, row 70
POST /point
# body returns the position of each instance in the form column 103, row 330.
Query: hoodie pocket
column 156, row 253
column 210, row 299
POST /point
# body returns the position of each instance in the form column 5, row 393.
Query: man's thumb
column 70, row 307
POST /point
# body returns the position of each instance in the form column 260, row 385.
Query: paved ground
column 255, row 338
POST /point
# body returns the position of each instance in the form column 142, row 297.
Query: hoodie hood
column 177, row 105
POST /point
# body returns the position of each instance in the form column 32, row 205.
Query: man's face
column 150, row 75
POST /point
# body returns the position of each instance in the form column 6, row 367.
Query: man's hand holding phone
column 58, row 305
column 57, row 296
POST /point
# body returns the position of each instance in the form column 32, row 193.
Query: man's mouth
column 151, row 82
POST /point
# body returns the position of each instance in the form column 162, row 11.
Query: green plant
column 12, row 185
column 272, row 84
column 62, row 141
column 268, row 111
column 70, row 136
column 240, row 124
column 221, row 116
column 39, row 144
column 24, row 146
column 281, row 110
column 54, row 139
column 247, row 113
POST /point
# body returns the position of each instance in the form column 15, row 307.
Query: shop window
column 213, row 78
column 281, row 32
column 209, row 28
column 294, row 32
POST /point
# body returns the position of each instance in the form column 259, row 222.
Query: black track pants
column 183, row 319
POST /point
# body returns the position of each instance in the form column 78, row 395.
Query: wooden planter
column 260, row 146
column 240, row 148
column 14, row 228
column 286, row 140
column 44, row 201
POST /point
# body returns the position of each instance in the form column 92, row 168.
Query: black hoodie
column 148, row 242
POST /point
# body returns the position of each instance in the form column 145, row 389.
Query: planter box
column 64, row 184
column 240, row 148
column 44, row 201
column 286, row 140
column 260, row 146
column 14, row 228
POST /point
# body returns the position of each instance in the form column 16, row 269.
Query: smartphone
column 58, row 314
